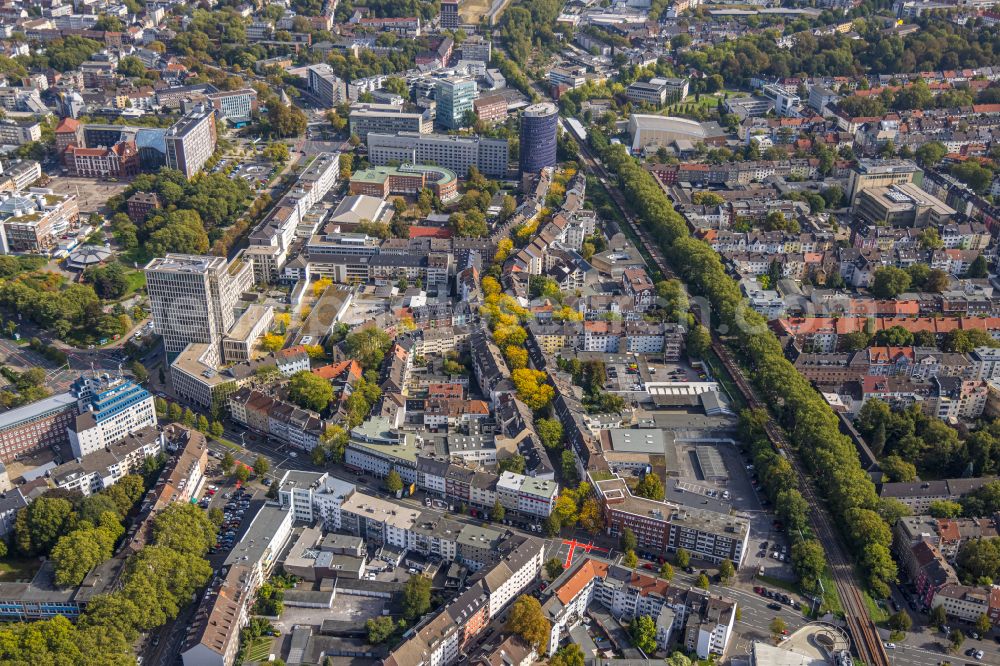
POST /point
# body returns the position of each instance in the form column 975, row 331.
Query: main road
column 866, row 639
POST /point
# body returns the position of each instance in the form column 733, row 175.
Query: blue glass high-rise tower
column 539, row 127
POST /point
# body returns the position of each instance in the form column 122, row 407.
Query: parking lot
column 92, row 194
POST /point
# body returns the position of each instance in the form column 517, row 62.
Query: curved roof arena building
column 646, row 129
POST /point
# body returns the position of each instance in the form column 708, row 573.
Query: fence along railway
column 867, row 643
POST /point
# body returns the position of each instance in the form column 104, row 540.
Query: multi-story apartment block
column 19, row 175
column 193, row 299
column 110, row 408
column 449, row 15
column 638, row 285
column 407, row 179
column 663, row 526
column 527, row 495
column 457, row 153
column 326, row 86
column 963, row 602
column 283, row 421
column 191, row 141
column 314, row 496
column 239, row 342
column 695, row 618
column 477, row 48
column 658, row 91
column 102, row 468
column 19, row 132
column 271, row 241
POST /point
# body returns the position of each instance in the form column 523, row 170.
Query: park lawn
column 18, row 569
column 136, row 281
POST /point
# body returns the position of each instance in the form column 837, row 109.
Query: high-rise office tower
column 454, row 98
column 193, row 298
column 449, row 14
column 539, row 128
column 191, row 141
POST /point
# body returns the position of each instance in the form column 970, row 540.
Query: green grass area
column 831, row 600
column 17, row 569
column 780, row 583
column 259, row 649
column 136, row 280
column 601, row 475
column 879, row 614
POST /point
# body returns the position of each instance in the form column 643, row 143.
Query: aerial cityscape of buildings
column 506, row 333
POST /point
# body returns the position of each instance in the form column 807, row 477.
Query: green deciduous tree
column 568, row 655
column 642, row 631
column 393, row 482
column 261, row 466
column 553, row 567
column 39, row 525
column 310, row 391
column 515, row 463
column 527, row 621
column 698, row 341
column 416, row 597
column 938, row 616
column 889, row 282
column 900, row 621
column 726, row 570
column 379, row 629
column 650, row 487
column 627, row 540
column 550, row 431
column 184, row 528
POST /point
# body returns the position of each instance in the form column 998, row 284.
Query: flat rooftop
column 376, row 508
column 257, row 539
column 705, row 520
column 186, row 263
column 244, row 326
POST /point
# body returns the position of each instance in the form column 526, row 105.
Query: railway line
column 867, row 643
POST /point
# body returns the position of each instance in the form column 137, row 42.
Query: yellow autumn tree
column 272, row 342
